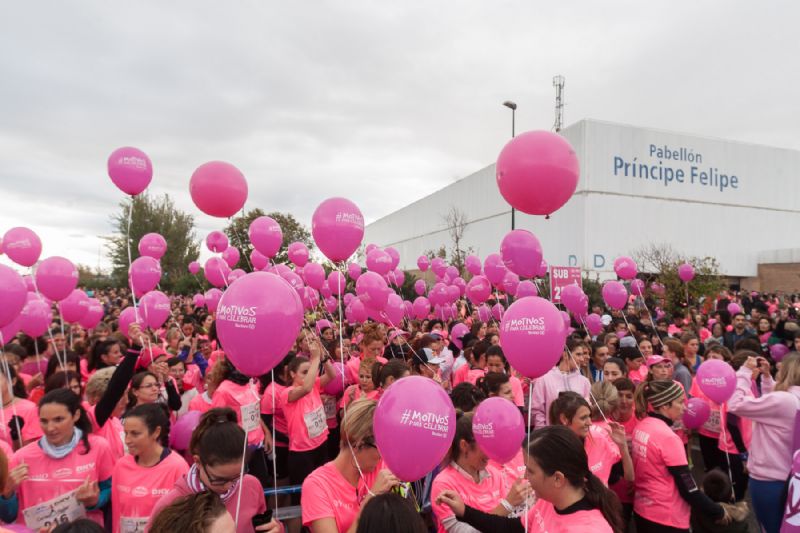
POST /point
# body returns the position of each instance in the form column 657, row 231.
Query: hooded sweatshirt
column 547, row 388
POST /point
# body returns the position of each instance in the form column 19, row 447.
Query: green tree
column 153, row 215
column 237, row 232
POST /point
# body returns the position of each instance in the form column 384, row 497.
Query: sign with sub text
column 560, row 277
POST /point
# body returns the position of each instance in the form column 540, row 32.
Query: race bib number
column 714, row 422
column 330, row 407
column 60, row 510
column 250, row 416
column 316, row 422
column 132, row 525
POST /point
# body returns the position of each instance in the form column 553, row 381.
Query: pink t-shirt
column 354, row 393
column 229, row 394
column 136, row 489
column 112, row 431
column 327, row 494
column 623, row 488
column 711, row 428
column 306, row 422
column 460, row 374
column 483, row 496
column 543, row 517
column 602, row 451
column 726, row 442
column 516, row 388
column 201, row 403
column 29, row 414
column 278, row 418
column 655, row 448
column 352, row 366
column 48, row 477
column 513, row 469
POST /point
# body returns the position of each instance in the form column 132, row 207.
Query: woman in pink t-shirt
column 365, row 388
column 305, row 414
column 665, row 489
column 149, row 472
column 272, row 413
column 571, row 498
column 17, row 415
column 335, row 493
column 709, row 432
column 625, row 414
column 496, row 362
column 372, row 345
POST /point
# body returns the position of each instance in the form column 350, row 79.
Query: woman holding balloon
column 773, row 441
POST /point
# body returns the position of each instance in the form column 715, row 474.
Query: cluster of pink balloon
column 717, row 381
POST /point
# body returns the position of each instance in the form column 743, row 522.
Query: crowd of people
column 141, row 430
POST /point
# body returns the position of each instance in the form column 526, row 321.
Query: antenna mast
column 558, row 83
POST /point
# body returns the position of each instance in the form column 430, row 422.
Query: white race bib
column 60, row 510
column 329, row 402
column 250, row 416
column 132, row 525
column 315, row 422
column 714, row 422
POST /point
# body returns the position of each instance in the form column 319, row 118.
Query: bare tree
column 457, row 223
column 654, row 258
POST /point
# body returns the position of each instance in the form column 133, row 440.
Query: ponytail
column 490, row 383
column 72, row 402
column 218, row 438
column 606, row 501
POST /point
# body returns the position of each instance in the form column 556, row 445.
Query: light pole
column 513, row 107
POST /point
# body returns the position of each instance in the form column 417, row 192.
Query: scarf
column 59, row 452
column 196, row 486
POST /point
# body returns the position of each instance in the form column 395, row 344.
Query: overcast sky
column 381, row 102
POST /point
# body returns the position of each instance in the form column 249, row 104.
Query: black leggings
column 712, row 455
column 257, row 466
column 644, row 525
column 301, row 464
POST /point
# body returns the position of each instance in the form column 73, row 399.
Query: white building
column 734, row 201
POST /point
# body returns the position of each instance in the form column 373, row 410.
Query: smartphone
column 263, row 518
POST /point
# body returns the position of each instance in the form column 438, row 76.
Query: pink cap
column 655, row 359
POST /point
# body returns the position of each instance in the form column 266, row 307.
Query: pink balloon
column 395, row 255
column 625, row 267
column 717, row 380
column 686, row 272
column 28, row 279
column 696, row 414
column 217, row 241
column 266, row 236
column 778, row 352
column 657, row 288
column 566, row 319
column 231, row 256
column 93, row 316
column 478, row 289
column 331, row 304
column 315, row 275
column 537, row 172
column 392, row 313
column 521, row 252
column 337, row 226
column 298, row 253
column 153, row 245
column 457, row 334
column 499, row 429
column 532, row 334
column 419, row 287
column 216, row 271
column 733, row 308
column 354, row 271
column 494, row 269
column 473, row 264
column 498, row 312
column 379, row 261
column 372, row 290
column 310, row 298
column 154, row 308
column 198, row 300
column 258, row 260
column 438, row 266
column 22, row 246
column 510, row 283
column 615, row 295
column 574, row 299
column 258, row 320
column 438, row 294
column 336, row 282
column 484, row 313
column 130, row 169
column 181, row 434
column 74, row 306
column 36, row 316
column 194, row 267
column 127, row 317
column 212, row 298
column 13, row 294
column 145, row 273
column 414, row 426
column 369, row 248
column 9, row 331
column 218, row 189
column 461, row 284
column 637, row 287
column 399, row 277
column 422, row 307
column 335, row 386
column 423, row 263
column 527, row 288
column 542, row 271
column 409, row 309
column 358, row 309
column 56, row 277
column 594, row 323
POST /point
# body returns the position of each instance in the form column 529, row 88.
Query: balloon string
column 7, row 371
column 727, row 455
column 660, row 339
column 274, row 454
column 628, row 326
column 49, row 330
column 130, row 278
column 341, row 334
column 241, row 480
column 527, row 449
column 578, row 367
column 238, row 238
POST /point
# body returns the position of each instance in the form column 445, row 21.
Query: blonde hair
column 371, row 332
column 367, row 364
column 789, row 374
column 605, row 398
column 98, row 383
column 358, row 422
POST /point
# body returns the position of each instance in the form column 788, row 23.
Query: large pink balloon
column 414, row 426
column 75, row 306
column 423, row 263
column 594, row 323
column 373, row 290
column 625, row 267
column 393, row 312
column 153, row 245
column 94, row 315
column 218, row 189
column 130, row 169
column 22, row 246
column 379, row 261
column 358, row 310
column 315, row 275
column 778, row 352
column 231, row 256
column 615, row 295
column 258, row 320
column 478, row 289
column 574, row 299
column 438, row 294
column 266, row 235
column 717, row 380
column 527, row 288
column 521, row 252
column 194, row 267
column 499, row 429
column 494, row 269
column 145, row 273
column 438, row 266
column 217, row 241
column 56, row 277
column 35, row 317
column 198, row 300
column 154, row 308
column 127, row 317
column 337, row 226
column 216, row 271
column 532, row 334
column 473, row 264
column 13, row 294
column 181, row 434
column 537, row 172
column 212, row 298
column 696, row 414
column 510, row 283
column 457, row 334
column 298, row 253
column 421, row 307
column 686, row 272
